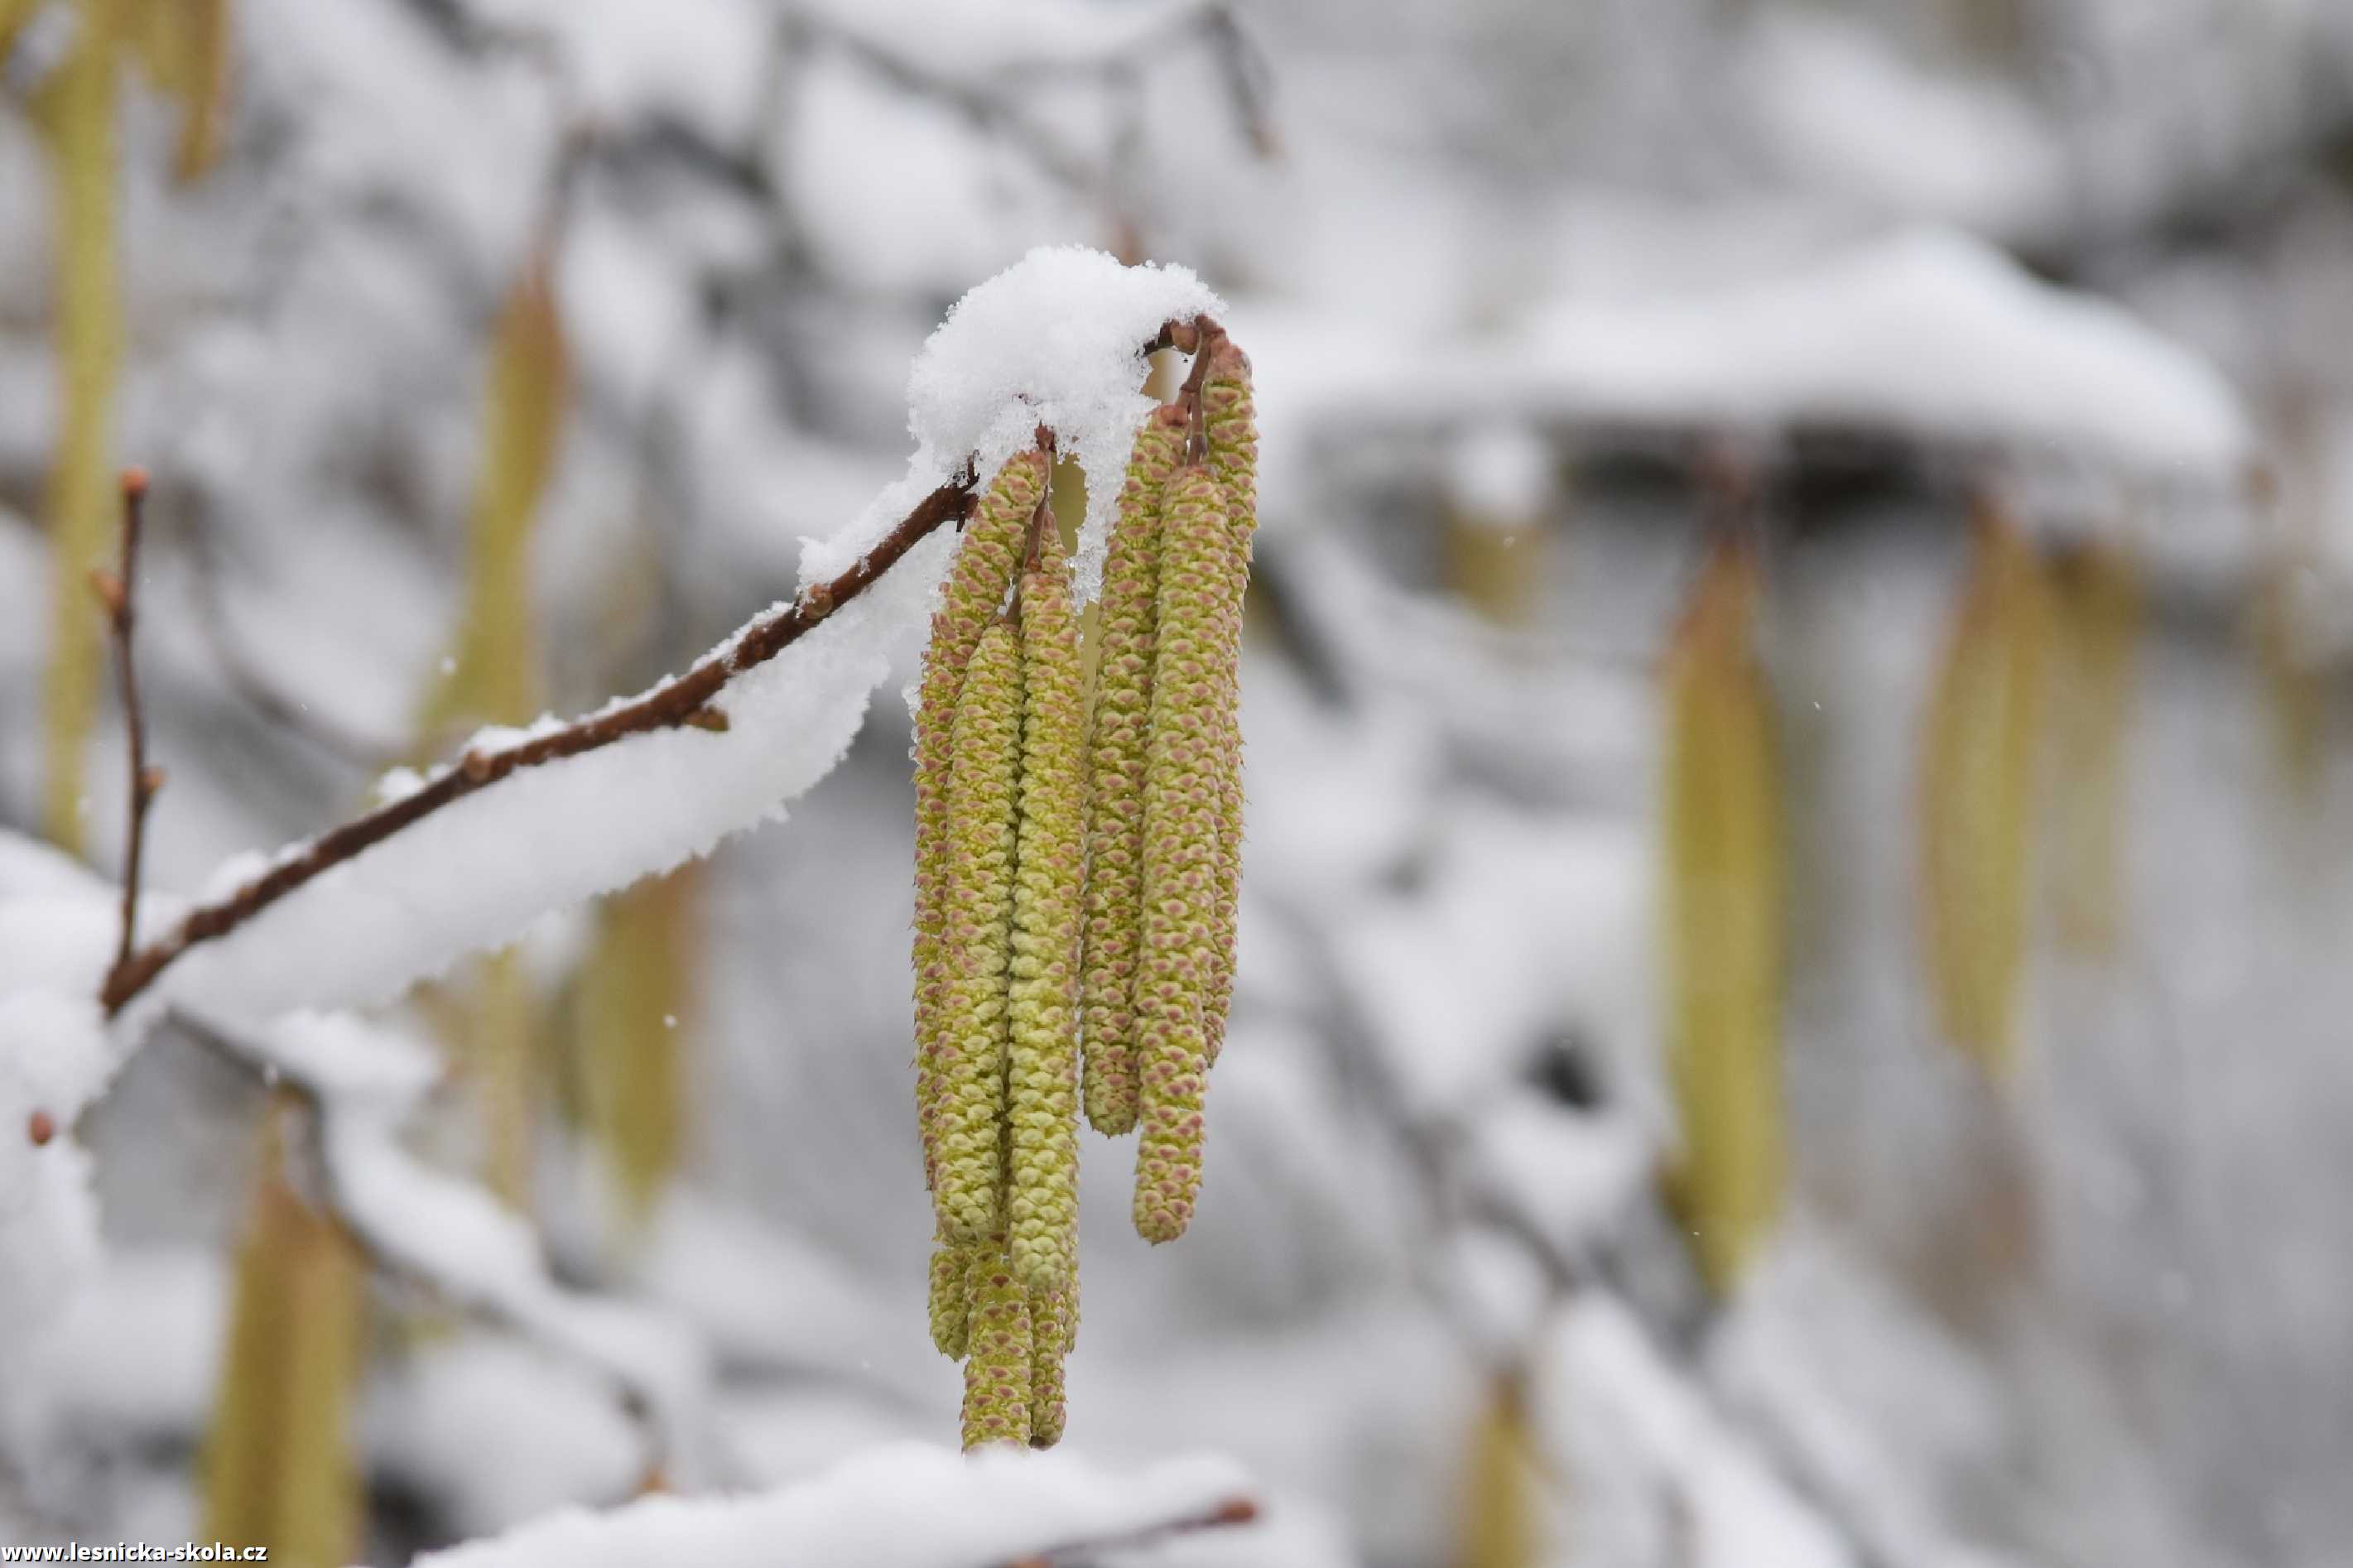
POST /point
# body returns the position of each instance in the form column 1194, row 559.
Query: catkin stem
column 1229, row 422
column 1191, row 675
column 974, row 590
column 1115, row 768
column 1042, row 1078
column 976, row 915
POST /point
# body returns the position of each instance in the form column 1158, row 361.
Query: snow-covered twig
column 1232, row 1512
column 897, row 1506
column 683, row 701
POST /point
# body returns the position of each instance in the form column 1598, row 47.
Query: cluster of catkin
column 1076, row 880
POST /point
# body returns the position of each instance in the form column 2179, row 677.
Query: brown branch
column 681, row 701
column 1233, row 1511
column 118, row 592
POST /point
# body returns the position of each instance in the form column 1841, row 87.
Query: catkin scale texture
column 1230, row 423
column 1115, row 768
column 976, row 910
column 998, row 1370
column 950, row 1306
column 1043, row 1076
column 975, row 587
column 1189, row 740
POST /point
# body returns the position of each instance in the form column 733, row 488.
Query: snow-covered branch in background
column 902, row 1506
column 542, row 818
column 362, row 1084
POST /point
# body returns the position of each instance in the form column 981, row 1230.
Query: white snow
column 904, row 1505
column 365, row 1081
column 1926, row 333
column 1057, row 341
column 1657, row 1468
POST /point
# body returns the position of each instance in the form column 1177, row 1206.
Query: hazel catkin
column 1189, row 740
column 1115, row 766
column 1231, row 424
column 976, row 910
column 975, row 589
column 1043, row 1076
column 998, row 1363
column 950, row 1303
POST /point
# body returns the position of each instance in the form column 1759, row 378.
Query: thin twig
column 1233, row 1511
column 683, row 701
column 119, row 593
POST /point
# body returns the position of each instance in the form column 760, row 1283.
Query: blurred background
column 1791, row 994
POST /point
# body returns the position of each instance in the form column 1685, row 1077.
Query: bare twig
column 118, row 592
column 1233, row 1511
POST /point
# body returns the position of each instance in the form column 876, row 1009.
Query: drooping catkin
column 1042, row 1073
column 1723, row 898
column 1977, row 792
column 976, row 918
column 1189, row 740
column 1115, row 765
column 1230, row 422
column 998, row 1369
column 950, row 1302
column 1053, row 1320
column 2094, row 625
column 975, row 587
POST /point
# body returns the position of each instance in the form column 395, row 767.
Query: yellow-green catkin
column 1230, row 422
column 976, row 919
column 1115, row 768
column 1042, row 1071
column 1053, row 1323
column 1191, row 668
column 1723, row 903
column 998, row 1370
column 1977, row 792
column 2095, row 628
column 949, row 1304
column 77, row 110
column 975, row 588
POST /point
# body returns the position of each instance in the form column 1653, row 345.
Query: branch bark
column 683, row 701
column 120, row 595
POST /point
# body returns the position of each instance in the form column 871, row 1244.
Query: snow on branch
column 1929, row 340
column 532, row 820
column 899, row 1506
column 361, row 1083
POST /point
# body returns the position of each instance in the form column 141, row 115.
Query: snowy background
column 493, row 358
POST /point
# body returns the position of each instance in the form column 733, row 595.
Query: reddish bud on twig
column 41, row 1127
column 151, row 782
column 108, row 589
column 475, row 765
column 134, row 482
